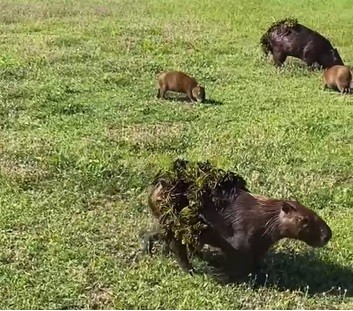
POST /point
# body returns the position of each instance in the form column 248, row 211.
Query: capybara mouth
column 320, row 243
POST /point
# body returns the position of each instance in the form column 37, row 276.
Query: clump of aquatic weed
column 284, row 24
column 186, row 189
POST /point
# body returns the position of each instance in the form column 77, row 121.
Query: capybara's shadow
column 336, row 91
column 185, row 99
column 294, row 64
column 293, row 271
column 213, row 102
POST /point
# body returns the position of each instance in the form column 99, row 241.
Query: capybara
column 243, row 225
column 178, row 81
column 289, row 38
column 339, row 78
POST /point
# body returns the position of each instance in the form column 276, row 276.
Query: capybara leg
column 148, row 240
column 310, row 65
column 158, row 93
column 166, row 249
column 279, row 58
column 181, row 255
column 341, row 89
column 212, row 238
column 309, row 60
column 239, row 266
column 192, row 99
column 162, row 91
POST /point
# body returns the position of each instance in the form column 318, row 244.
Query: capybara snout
column 326, row 234
column 304, row 224
column 336, row 58
column 320, row 235
column 199, row 93
column 316, row 232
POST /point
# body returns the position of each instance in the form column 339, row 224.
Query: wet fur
column 246, row 228
column 300, row 42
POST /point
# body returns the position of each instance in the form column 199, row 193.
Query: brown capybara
column 245, row 226
column 289, row 38
column 178, row 81
column 339, row 78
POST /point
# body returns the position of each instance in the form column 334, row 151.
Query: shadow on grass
column 292, row 271
column 296, row 63
column 336, row 91
column 213, row 102
column 185, row 99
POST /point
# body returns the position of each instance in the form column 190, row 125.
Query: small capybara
column 246, row 226
column 339, row 78
column 178, row 81
column 289, row 38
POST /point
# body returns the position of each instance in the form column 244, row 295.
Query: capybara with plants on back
column 289, row 38
column 178, row 81
column 338, row 78
column 205, row 205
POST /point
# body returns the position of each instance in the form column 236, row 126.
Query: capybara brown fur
column 339, row 78
column 289, row 38
column 178, row 81
column 247, row 226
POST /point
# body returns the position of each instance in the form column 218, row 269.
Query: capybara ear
column 288, row 208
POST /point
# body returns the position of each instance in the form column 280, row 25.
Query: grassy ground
column 82, row 135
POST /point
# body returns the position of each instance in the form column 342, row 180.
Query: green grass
column 82, row 134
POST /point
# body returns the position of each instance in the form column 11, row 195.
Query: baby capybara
column 178, row 81
column 338, row 78
column 289, row 38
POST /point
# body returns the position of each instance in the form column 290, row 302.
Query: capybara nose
column 326, row 234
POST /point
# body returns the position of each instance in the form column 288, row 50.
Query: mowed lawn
column 82, row 135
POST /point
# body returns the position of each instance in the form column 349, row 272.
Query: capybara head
column 331, row 58
column 303, row 224
column 199, row 93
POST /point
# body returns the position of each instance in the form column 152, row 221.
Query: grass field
column 82, row 134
